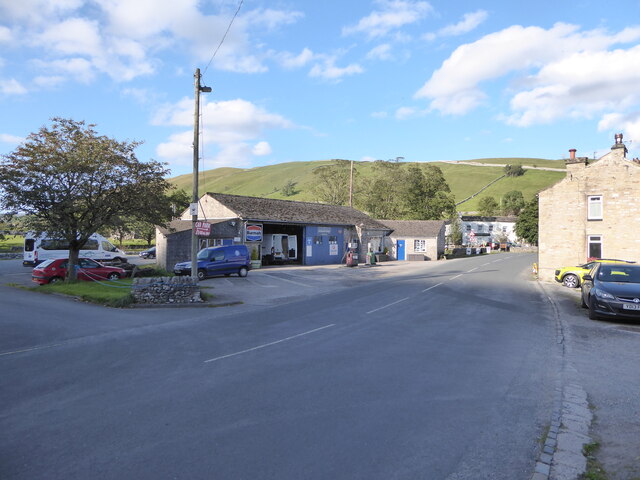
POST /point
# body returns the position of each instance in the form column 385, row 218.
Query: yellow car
column 572, row 276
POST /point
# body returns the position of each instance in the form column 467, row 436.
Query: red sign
column 203, row 229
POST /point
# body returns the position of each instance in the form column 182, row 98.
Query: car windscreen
column 46, row 263
column 620, row 274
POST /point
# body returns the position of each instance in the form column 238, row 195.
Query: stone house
column 593, row 212
column 415, row 239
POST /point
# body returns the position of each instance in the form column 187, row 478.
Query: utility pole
column 196, row 158
column 351, row 186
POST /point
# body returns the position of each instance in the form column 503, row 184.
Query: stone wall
column 172, row 290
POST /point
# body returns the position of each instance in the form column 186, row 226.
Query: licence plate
column 630, row 306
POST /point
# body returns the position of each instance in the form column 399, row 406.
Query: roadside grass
column 112, row 294
column 594, row 468
column 11, row 243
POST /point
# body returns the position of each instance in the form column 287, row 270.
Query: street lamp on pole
column 196, row 156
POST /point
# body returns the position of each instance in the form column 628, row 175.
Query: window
column 468, row 228
column 595, row 246
column 594, row 205
column 490, row 228
column 480, row 228
column 317, row 240
column 419, row 245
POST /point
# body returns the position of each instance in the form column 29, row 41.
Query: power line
column 223, row 37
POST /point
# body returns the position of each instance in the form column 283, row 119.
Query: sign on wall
column 202, row 229
column 254, row 233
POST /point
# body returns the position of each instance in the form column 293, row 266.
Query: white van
column 279, row 248
column 40, row 248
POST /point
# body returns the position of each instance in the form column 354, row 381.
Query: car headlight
column 602, row 294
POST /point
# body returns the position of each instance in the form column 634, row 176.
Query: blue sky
column 308, row 80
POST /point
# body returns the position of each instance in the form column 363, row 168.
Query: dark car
column 55, row 270
column 612, row 290
column 214, row 261
column 148, row 253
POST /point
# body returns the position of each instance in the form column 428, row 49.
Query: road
column 447, row 371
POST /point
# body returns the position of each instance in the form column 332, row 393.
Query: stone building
column 415, row 239
column 594, row 212
column 318, row 234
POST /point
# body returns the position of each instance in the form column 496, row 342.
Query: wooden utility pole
column 196, row 158
column 351, row 186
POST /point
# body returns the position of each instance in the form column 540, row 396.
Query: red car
column 55, row 270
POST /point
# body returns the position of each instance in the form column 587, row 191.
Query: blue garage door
column 401, row 250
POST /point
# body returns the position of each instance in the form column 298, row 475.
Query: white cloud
column 5, row 35
column 261, row 149
column 11, row 87
column 629, row 124
column 288, row 60
column 581, row 79
column 379, row 114
column 393, row 15
column 469, row 22
column 227, row 125
column 381, row 52
column 329, row 71
column 78, row 69
column 48, row 81
column 12, row 139
column 405, row 112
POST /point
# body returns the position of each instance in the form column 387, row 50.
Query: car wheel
column 582, row 303
column 55, row 279
column 202, row 275
column 570, row 281
column 113, row 276
column 592, row 309
column 242, row 272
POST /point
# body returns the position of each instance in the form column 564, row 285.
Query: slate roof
column 479, row 218
column 221, row 227
column 415, row 228
column 288, row 211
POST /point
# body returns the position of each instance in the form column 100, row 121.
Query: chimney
column 572, row 154
column 619, row 147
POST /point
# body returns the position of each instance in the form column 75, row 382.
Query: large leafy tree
column 512, row 202
column 527, row 223
column 332, row 182
column 73, row 182
column 488, row 206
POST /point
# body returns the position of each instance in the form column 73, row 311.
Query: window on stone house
column 594, row 205
column 480, row 228
column 595, row 246
column 419, row 245
column 490, row 228
column 468, row 227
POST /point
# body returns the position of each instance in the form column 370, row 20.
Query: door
column 400, row 249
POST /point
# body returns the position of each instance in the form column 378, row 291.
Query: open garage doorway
column 282, row 244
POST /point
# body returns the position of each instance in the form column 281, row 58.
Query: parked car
column 612, row 290
column 148, row 253
column 55, row 270
column 218, row 261
column 572, row 276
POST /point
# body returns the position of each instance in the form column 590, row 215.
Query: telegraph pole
column 196, row 158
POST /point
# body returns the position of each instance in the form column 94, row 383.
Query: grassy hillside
column 463, row 179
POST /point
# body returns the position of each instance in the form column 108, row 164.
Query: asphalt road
column 445, row 371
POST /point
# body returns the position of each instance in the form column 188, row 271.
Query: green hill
column 464, row 178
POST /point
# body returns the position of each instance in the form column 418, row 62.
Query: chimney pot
column 572, row 154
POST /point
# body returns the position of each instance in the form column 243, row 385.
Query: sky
column 304, row 80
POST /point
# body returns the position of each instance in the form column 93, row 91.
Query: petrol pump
column 352, row 255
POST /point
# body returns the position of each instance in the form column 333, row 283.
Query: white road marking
column 388, row 305
column 434, row 286
column 41, row 347
column 453, row 278
column 473, row 269
column 290, row 281
column 268, row 344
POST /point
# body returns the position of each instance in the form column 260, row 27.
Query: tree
column 289, row 188
column 513, row 170
column 512, row 202
column 488, row 206
column 455, row 231
column 379, row 194
column 74, row 182
column 332, row 183
column 527, row 223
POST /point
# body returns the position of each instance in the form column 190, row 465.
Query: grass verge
column 112, row 294
column 594, row 469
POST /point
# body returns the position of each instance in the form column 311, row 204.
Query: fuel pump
column 352, row 255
